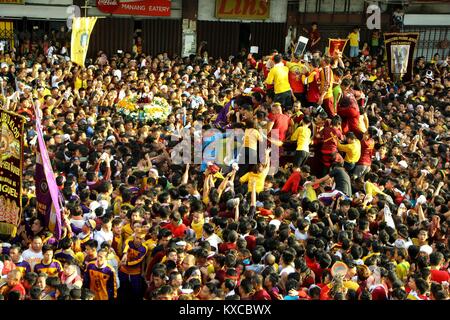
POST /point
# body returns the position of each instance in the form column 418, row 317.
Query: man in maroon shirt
column 367, row 152
column 270, row 283
column 348, row 109
column 314, row 37
column 279, row 121
column 230, row 244
column 260, row 292
column 330, row 137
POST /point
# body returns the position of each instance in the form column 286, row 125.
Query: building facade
column 226, row 26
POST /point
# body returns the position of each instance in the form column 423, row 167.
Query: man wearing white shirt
column 209, row 235
column 105, row 234
column 278, row 212
column 287, row 267
column 34, row 255
column 197, row 100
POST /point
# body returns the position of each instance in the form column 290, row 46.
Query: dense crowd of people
column 357, row 207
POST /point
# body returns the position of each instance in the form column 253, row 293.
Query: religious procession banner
column 81, row 32
column 47, row 192
column 400, row 48
column 11, row 154
column 335, row 45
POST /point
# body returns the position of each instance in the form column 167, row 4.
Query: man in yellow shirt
column 41, row 93
column 303, row 137
column 403, row 266
column 352, row 151
column 279, row 77
column 258, row 174
column 354, row 42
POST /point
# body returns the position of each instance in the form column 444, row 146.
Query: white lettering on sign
column 108, row 2
column 158, row 8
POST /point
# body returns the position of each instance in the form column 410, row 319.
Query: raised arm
column 319, row 181
column 185, row 178
column 229, row 178
column 420, row 213
column 206, row 187
column 266, row 167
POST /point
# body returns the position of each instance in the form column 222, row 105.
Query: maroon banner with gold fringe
column 11, row 154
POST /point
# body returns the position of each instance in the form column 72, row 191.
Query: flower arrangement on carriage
column 145, row 110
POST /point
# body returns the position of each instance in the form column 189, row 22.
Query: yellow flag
column 81, row 32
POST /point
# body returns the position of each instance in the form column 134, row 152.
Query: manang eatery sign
column 154, row 8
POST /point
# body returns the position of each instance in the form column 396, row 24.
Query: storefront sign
column 11, row 1
column 243, row 9
column 154, row 8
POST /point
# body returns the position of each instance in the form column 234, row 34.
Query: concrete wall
column 34, row 11
column 326, row 6
column 175, row 12
column 56, row 9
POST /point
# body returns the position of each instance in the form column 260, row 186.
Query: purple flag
column 47, row 192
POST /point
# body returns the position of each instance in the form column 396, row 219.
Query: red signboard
column 154, row 8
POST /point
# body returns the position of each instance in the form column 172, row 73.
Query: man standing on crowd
column 279, row 77
column 354, row 43
column 326, row 87
column 297, row 71
column 314, row 37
